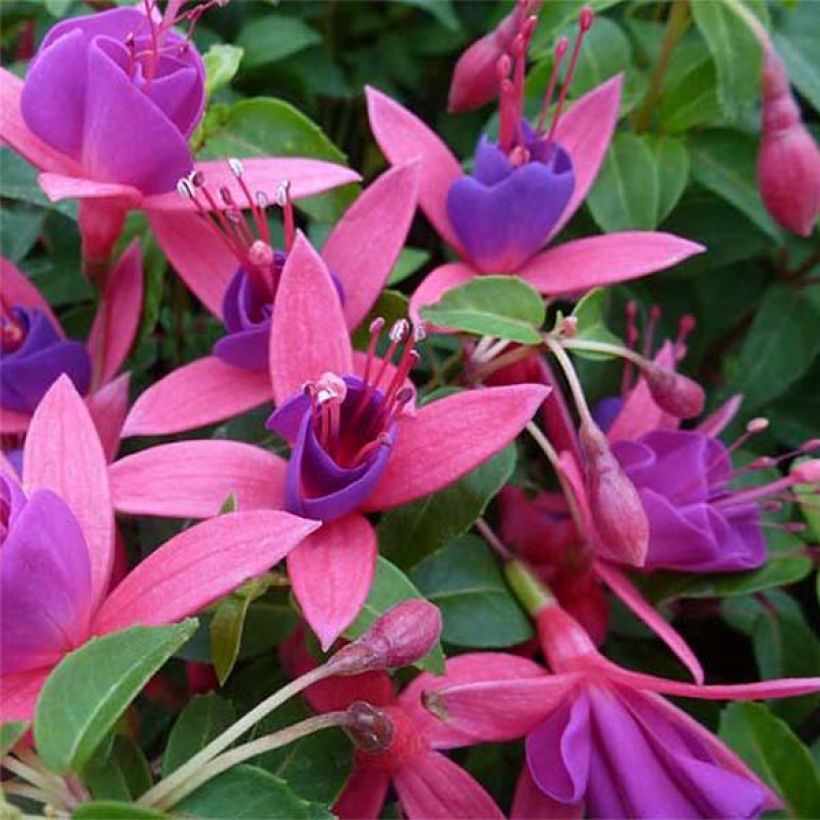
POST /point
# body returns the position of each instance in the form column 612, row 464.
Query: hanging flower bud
column 615, row 505
column 401, row 636
column 678, row 395
column 788, row 164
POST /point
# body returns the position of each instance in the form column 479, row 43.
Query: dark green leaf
column 20, row 229
column 92, row 686
column 499, row 306
column 409, row 261
column 691, row 99
column 200, row 722
column 390, row 306
column 390, row 586
column 672, row 162
column 115, row 810
column 10, row 733
column 409, row 533
column 273, row 37
column 117, row 770
column 775, row 753
column 442, row 10
column 625, row 193
column 18, row 180
column 248, row 793
column 466, row 584
column 226, row 633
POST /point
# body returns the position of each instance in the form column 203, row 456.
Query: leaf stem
column 676, row 25
column 493, row 540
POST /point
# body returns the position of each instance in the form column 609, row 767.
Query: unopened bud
column 673, row 392
column 807, row 472
column 614, row 502
column 370, row 729
column 401, row 636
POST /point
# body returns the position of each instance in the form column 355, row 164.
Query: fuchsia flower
column 106, row 111
column 524, row 188
column 57, row 532
column 238, row 278
column 35, row 351
column 356, row 447
column 602, row 738
column 407, row 752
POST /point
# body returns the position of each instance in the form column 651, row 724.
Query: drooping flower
column 238, row 277
column 357, row 447
column 405, row 750
column 524, row 188
column 601, row 738
column 57, row 531
column 105, row 113
column 35, row 351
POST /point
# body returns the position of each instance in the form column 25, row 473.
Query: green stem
column 676, row 25
column 606, row 348
column 528, row 588
column 572, row 378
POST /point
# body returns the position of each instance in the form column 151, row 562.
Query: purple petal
column 178, row 92
column 606, row 411
column 45, row 585
column 558, row 751
column 502, row 224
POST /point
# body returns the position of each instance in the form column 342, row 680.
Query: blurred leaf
column 390, row 586
column 736, row 52
column 10, row 733
column 117, row 771
column 20, row 229
column 18, row 180
column 248, row 793
column 442, row 10
column 690, row 100
column 498, row 306
column 221, row 64
column 725, row 162
column 409, row 261
column 58, row 8
column 268, row 127
column 779, row 348
column 273, row 37
column 590, row 313
column 625, row 194
column 93, row 685
column 606, row 52
column 558, row 15
column 114, row 810
column 203, row 718
column 410, row 533
column 672, row 162
column 478, row 609
column 799, row 52
column 775, row 753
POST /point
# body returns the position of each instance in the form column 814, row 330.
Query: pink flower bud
column 616, row 508
column 678, row 395
column 370, row 729
column 788, row 164
column 807, row 472
column 401, row 636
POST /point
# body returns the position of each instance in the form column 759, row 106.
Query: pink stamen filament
column 632, row 336
column 284, row 202
column 558, row 58
column 651, row 327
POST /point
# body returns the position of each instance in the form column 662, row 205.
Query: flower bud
column 807, row 472
column 788, row 164
column 673, row 392
column 401, row 636
column 370, row 729
column 614, row 502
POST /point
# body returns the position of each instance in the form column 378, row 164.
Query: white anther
column 399, row 331
column 237, row 168
column 281, row 195
column 185, row 189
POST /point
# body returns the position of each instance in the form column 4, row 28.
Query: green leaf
column 466, row 584
column 117, row 770
column 725, row 162
column 390, row 306
column 226, row 634
column 499, row 306
column 58, row 8
column 221, row 64
column 18, row 180
column 10, row 733
column 606, row 52
column 672, row 162
column 780, row 347
column 799, row 52
column 273, row 37
column 409, row 261
column 115, row 810
column 390, row 586
column 248, row 793
column 625, row 194
column 442, row 10
column 408, row 534
column 690, row 100
column 736, row 52
column 20, row 229
column 775, row 753
column 591, row 323
column 263, row 126
column 92, row 686
column 202, row 719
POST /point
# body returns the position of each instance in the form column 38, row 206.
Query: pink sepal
column 59, row 186
column 108, row 408
column 717, row 422
column 200, row 565
column 530, row 803
column 363, row 795
column 18, row 290
column 193, row 479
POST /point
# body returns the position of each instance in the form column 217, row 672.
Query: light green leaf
column 606, row 52
column 478, row 609
column 736, row 52
column 409, row 261
column 625, row 194
column 115, row 810
column 775, row 753
column 799, row 52
column 690, row 100
column 92, row 686
column 672, row 162
column 202, row 719
column 499, row 306
column 390, row 586
column 221, row 64
column 226, row 633
column 10, row 733
column 408, row 534
column 590, row 313
column 273, row 37
column 725, row 163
